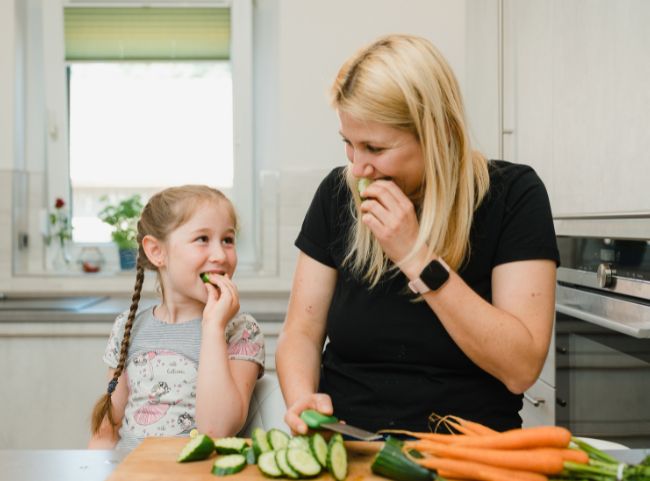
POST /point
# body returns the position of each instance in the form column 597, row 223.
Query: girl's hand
column 390, row 215
column 317, row 401
column 223, row 300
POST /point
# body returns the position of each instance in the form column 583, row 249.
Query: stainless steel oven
column 602, row 340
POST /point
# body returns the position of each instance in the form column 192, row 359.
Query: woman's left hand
column 390, row 215
column 223, row 300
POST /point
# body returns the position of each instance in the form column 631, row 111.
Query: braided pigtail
column 104, row 407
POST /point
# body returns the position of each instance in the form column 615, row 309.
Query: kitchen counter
column 97, row 465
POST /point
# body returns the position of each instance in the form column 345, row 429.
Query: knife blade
column 316, row 420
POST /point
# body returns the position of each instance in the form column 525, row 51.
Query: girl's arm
column 224, row 387
column 298, row 355
column 107, row 436
column 508, row 338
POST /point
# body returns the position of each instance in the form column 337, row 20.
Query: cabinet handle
column 535, row 402
column 561, row 350
column 560, row 402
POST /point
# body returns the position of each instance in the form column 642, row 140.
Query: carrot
column 478, row 428
column 461, row 425
column 542, row 460
column 535, row 437
column 455, row 468
column 575, row 455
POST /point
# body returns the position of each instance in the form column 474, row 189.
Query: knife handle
column 314, row 419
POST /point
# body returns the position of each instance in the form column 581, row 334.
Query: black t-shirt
column 389, row 362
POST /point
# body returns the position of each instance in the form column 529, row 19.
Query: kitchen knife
column 316, row 420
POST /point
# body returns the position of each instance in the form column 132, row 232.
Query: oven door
column 602, row 369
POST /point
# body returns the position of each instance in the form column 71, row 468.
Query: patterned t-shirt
column 162, row 368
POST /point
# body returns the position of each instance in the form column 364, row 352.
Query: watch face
column 434, row 275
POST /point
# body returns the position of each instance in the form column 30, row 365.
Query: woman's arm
column 107, row 436
column 224, row 386
column 300, row 344
column 508, row 338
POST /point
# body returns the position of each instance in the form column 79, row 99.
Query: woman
column 435, row 287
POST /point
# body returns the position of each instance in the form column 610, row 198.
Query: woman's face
column 378, row 151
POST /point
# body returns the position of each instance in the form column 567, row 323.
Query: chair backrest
column 267, row 407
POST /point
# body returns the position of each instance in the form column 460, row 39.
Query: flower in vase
column 60, row 225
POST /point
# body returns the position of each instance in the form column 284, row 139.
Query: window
column 151, row 97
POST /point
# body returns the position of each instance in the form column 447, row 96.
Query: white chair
column 267, row 407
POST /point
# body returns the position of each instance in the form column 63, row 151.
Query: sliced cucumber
column 283, row 464
column 277, row 438
column 260, row 443
column 336, row 438
column 230, row 445
column 314, row 419
column 337, row 460
column 268, row 466
column 299, row 442
column 391, row 463
column 249, row 454
column 229, row 464
column 303, row 462
column 199, row 447
column 318, row 447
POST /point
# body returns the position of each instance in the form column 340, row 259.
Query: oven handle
column 536, row 402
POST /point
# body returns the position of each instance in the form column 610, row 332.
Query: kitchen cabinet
column 576, row 102
column 539, row 400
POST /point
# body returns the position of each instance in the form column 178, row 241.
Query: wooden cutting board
column 155, row 460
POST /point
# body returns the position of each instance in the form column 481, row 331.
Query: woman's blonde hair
column 166, row 211
column 404, row 82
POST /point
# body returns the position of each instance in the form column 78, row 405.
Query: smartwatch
column 432, row 277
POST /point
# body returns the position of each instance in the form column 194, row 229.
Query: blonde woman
column 435, row 284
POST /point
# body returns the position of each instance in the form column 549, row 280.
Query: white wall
column 299, row 46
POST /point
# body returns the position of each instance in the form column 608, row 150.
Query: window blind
column 147, row 33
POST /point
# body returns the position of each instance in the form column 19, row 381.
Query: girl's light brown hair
column 404, row 82
column 166, row 211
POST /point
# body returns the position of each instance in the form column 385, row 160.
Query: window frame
column 57, row 170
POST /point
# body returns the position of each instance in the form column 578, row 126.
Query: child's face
column 205, row 243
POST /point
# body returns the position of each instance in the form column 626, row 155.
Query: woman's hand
column 390, row 215
column 223, row 300
column 317, row 401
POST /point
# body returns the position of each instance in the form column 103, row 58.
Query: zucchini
column 283, row 464
column 391, row 463
column 337, row 459
column 277, row 438
column 230, row 445
column 268, row 466
column 249, row 454
column 299, row 442
column 260, row 443
column 303, row 462
column 318, row 448
column 199, row 447
column 314, row 419
column 229, row 464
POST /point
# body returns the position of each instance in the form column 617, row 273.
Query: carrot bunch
column 482, row 454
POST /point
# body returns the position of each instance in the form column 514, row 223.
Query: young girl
column 192, row 360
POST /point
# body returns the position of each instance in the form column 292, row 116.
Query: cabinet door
column 539, row 405
column 576, row 81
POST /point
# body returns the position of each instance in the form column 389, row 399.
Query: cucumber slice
column 268, row 466
column 230, row 445
column 229, row 464
column 337, row 460
column 199, row 447
column 277, row 438
column 363, row 184
column 303, row 462
column 336, row 438
column 318, row 447
column 314, row 419
column 283, row 464
column 249, row 454
column 299, row 442
column 260, row 443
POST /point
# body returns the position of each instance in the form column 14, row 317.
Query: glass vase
column 62, row 256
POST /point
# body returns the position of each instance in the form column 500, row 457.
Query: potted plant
column 123, row 217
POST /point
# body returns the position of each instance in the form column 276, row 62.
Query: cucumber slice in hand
column 198, row 448
column 229, row 464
